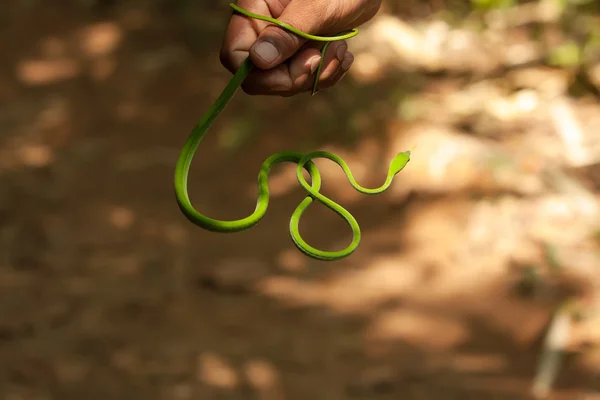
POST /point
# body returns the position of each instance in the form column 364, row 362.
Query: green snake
column 303, row 161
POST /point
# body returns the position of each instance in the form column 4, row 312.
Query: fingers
column 298, row 73
column 286, row 78
column 334, row 72
column 241, row 33
column 286, row 62
column 275, row 45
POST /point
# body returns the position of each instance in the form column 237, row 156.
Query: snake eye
column 399, row 162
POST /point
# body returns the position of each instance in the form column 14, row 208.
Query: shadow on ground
column 107, row 292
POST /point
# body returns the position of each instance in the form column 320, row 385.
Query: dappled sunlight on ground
column 475, row 267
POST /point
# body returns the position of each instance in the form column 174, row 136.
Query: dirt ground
column 107, row 292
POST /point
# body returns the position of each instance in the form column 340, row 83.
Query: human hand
column 286, row 61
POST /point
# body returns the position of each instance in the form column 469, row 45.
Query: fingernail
column 347, row 61
column 266, row 51
column 314, row 63
column 341, row 51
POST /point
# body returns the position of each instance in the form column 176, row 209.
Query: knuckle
column 335, row 11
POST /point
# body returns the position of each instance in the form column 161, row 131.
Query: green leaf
column 565, row 55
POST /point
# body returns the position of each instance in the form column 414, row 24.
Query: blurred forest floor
column 477, row 276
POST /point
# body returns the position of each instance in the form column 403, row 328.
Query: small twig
column 554, row 347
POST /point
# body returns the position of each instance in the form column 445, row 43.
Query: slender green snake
column 303, row 161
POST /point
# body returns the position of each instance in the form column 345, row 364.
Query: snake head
column 399, row 162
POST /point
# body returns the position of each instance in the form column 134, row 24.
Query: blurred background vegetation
column 478, row 273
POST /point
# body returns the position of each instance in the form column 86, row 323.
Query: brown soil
column 107, row 292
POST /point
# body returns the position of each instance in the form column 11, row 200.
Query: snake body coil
column 303, row 161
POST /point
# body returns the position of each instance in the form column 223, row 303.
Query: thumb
column 274, row 45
